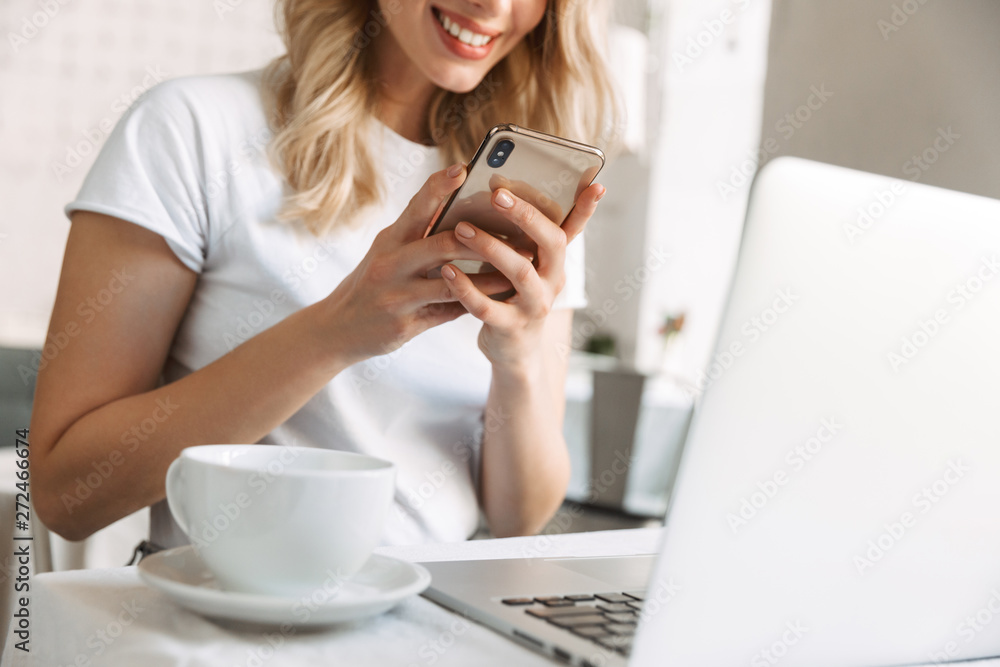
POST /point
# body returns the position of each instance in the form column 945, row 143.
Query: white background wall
column 64, row 80
column 713, row 60
column 928, row 65
column 662, row 241
column 891, row 94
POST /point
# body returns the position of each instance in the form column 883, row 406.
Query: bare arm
column 525, row 464
column 91, row 395
column 98, row 394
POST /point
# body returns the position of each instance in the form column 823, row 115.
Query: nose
column 491, row 7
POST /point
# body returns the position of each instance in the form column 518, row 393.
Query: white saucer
column 381, row 584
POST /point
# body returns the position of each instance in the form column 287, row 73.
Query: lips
column 462, row 36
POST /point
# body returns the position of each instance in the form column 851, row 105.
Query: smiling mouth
column 463, row 35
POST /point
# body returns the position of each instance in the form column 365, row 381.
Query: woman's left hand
column 512, row 329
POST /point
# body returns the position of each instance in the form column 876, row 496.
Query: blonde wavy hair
column 322, row 98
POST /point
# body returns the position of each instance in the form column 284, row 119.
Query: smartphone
column 547, row 171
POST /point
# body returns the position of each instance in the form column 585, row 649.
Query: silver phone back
column 547, row 171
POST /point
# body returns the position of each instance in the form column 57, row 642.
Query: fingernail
column 465, row 230
column 602, row 193
column 455, row 169
column 504, row 199
column 448, row 272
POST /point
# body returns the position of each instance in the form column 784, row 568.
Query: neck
column 404, row 93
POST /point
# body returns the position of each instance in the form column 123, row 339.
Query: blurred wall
column 68, row 74
column 904, row 88
column 712, row 62
column 68, row 70
column 902, row 73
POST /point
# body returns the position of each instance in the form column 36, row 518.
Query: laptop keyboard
column 607, row 619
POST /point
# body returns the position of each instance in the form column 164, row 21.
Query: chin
column 457, row 81
column 455, row 43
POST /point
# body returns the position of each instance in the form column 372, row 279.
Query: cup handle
column 175, row 487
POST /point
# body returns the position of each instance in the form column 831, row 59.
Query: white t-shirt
column 188, row 161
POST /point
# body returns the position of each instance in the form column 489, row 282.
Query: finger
column 550, row 239
column 478, row 304
column 491, row 282
column 586, row 204
column 518, row 269
column 417, row 257
column 438, row 290
column 434, row 314
column 416, row 218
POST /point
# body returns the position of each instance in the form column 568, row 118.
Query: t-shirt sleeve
column 574, row 293
column 149, row 173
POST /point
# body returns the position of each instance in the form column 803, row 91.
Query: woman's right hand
column 388, row 298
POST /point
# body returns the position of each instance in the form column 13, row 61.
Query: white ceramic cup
column 280, row 520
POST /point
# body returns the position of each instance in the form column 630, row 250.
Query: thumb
column 413, row 222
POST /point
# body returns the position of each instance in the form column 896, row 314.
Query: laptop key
column 638, row 595
column 614, row 597
column 580, row 598
column 550, row 598
column 628, row 619
column 574, row 621
column 518, row 602
column 620, row 629
column 616, row 608
column 612, row 641
column 558, row 603
column 552, row 612
column 590, row 631
column 635, row 605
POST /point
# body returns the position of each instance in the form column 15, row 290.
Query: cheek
column 527, row 16
column 402, row 19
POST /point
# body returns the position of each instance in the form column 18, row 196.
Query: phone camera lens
column 501, row 151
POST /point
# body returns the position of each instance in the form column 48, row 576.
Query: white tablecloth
column 68, row 609
column 108, row 547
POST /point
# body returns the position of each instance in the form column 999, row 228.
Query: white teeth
column 464, row 35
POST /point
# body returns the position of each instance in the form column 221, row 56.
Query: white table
column 109, row 547
column 69, row 608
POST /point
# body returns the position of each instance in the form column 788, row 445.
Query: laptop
column 838, row 498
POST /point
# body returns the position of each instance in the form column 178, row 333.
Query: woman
column 280, row 294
